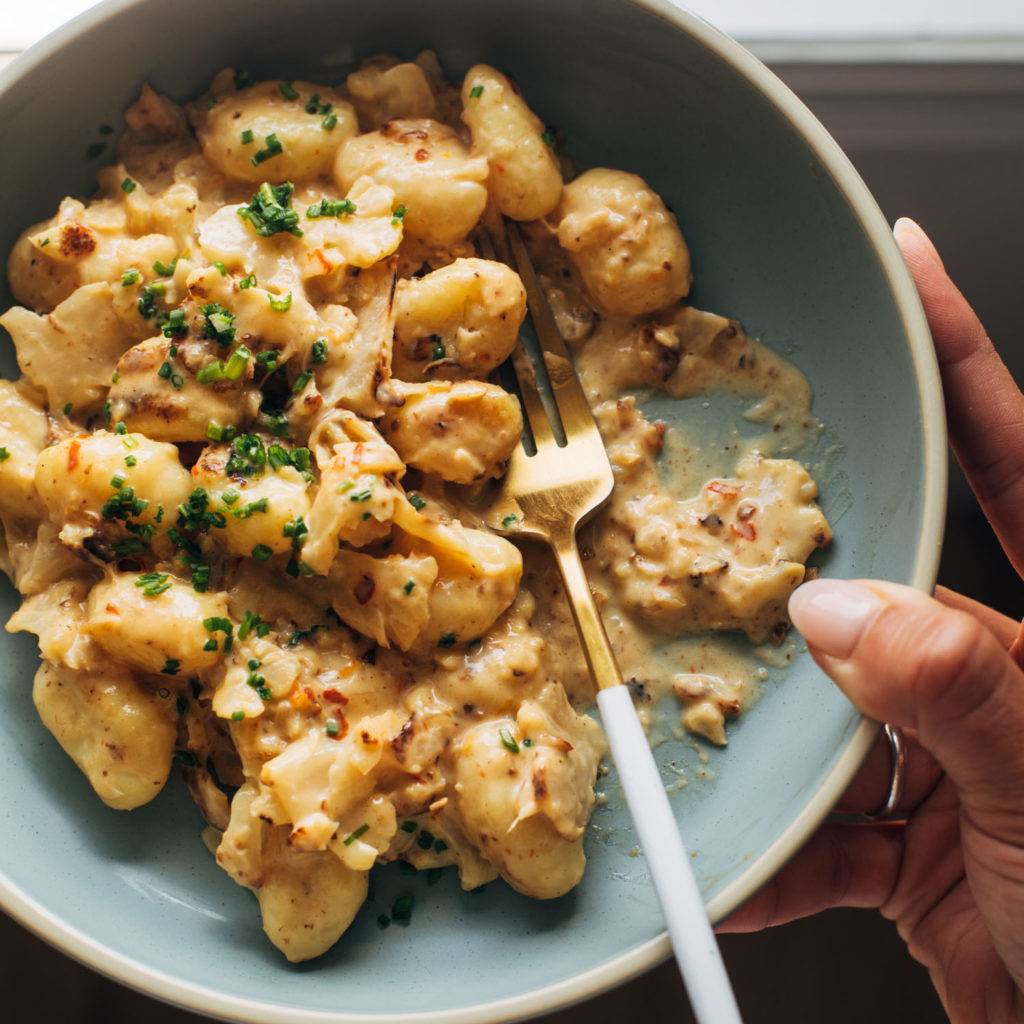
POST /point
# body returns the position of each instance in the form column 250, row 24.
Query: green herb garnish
column 318, row 353
column 271, row 147
column 270, row 212
column 218, row 323
column 153, row 584
column 330, row 208
column 362, row 830
column 508, row 741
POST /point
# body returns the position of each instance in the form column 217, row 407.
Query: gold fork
column 547, row 495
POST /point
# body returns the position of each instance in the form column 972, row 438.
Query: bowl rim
column 625, row 966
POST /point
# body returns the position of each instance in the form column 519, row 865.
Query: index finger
column 984, row 406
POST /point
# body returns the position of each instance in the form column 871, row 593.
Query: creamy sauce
column 242, row 480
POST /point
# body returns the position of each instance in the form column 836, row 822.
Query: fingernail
column 907, row 228
column 832, row 614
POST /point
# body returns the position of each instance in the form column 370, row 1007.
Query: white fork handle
column 693, row 940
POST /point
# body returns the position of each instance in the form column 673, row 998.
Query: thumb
column 903, row 658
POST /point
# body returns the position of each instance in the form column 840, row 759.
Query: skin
column 947, row 671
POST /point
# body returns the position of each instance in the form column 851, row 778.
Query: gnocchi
column 624, row 241
column 248, row 471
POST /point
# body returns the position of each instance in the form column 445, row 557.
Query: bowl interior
column 775, row 243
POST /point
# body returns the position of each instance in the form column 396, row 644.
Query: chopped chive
column 287, row 91
column 261, row 552
column 409, row 826
column 165, row 269
column 399, row 214
column 128, row 546
column 171, row 667
column 318, row 353
column 362, row 830
column 330, row 208
column 272, row 148
column 247, row 511
column 249, row 281
column 280, row 305
column 129, row 277
column 548, row 138
column 221, row 269
column 329, row 122
column 236, row 364
column 237, row 716
column 447, row 640
column 508, row 741
column 417, row 502
column 130, row 461
column 401, row 909
column 301, row 381
column 509, row 520
column 4, row 454
column 175, row 327
column 247, row 136
column 476, row 92
column 152, row 584
column 409, row 584
column 67, row 408
column 128, row 186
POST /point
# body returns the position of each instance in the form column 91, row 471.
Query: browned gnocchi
column 247, row 473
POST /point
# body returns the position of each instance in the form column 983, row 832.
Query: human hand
column 952, row 878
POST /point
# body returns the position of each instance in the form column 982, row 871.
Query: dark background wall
column 945, row 145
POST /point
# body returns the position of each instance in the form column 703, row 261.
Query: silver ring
column 897, row 781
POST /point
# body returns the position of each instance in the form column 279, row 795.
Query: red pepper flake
column 335, row 695
column 723, row 489
column 73, row 450
column 422, row 154
column 745, row 530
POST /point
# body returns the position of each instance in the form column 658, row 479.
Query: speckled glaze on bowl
column 784, row 235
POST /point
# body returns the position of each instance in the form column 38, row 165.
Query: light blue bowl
column 784, row 236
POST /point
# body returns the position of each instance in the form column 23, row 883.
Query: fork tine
column 573, row 407
column 540, row 425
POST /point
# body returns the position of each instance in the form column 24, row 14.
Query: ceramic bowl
column 785, row 236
